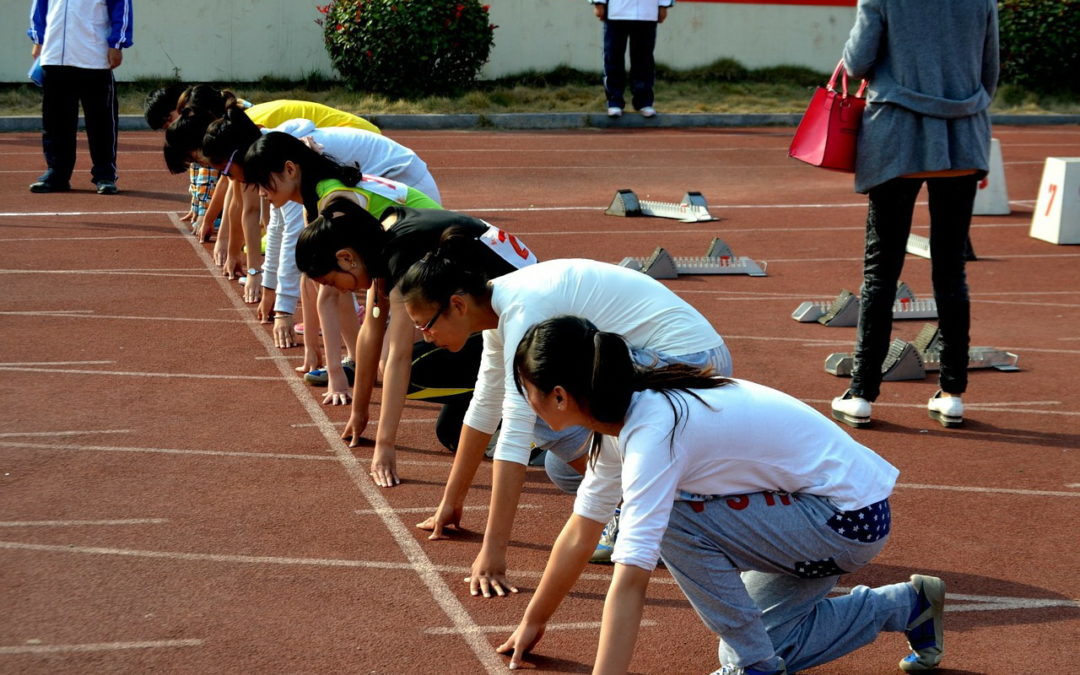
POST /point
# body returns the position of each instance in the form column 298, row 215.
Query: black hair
column 268, row 154
column 232, row 133
column 205, row 98
column 342, row 224
column 454, row 268
column 184, row 138
column 160, row 104
column 597, row 369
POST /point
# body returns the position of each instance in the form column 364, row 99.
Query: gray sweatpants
column 757, row 568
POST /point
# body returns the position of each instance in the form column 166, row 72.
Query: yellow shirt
column 273, row 113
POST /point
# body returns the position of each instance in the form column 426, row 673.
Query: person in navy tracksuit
column 78, row 43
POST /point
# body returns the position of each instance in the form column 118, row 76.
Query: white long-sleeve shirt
column 743, row 438
column 615, row 299
column 80, row 33
column 634, row 10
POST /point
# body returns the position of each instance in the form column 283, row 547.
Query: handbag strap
column 841, row 73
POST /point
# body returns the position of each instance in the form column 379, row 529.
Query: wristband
column 252, row 271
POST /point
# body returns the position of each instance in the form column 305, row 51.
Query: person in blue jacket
column 78, row 43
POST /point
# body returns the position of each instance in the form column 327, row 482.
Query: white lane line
column 97, row 647
column 106, row 273
column 577, row 625
column 985, row 603
column 54, row 214
column 402, row 534
column 14, row 364
column 988, row 490
column 69, row 314
column 50, row 240
column 428, row 509
column 122, row 373
column 969, row 406
column 70, row 447
column 78, row 523
column 50, row 434
column 410, row 420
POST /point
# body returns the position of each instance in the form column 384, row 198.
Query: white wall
column 242, row 40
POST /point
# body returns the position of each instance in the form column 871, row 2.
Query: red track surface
column 175, row 500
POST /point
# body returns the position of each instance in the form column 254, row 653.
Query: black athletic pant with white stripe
column 65, row 87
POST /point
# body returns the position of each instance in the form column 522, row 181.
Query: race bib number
column 508, row 247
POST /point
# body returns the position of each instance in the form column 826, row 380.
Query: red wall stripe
column 822, row 3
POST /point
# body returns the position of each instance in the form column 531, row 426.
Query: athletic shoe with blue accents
column 744, row 670
column 925, row 631
column 604, row 548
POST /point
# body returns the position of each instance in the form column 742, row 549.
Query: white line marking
column 13, row 364
column 428, row 509
column 76, row 523
column 121, row 373
column 970, row 406
column 578, row 625
column 106, row 273
column 1073, row 485
column 50, row 240
column 988, row 490
column 402, row 535
column 49, row 214
column 984, row 603
column 68, row 314
column 21, row 434
column 97, row 647
column 162, row 451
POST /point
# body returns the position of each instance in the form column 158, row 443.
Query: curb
column 535, row 121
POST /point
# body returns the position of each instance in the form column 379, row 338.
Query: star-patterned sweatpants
column 757, row 568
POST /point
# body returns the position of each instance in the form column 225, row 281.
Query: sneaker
column 925, row 632
column 298, row 328
column 648, row 112
column 851, row 410
column 42, row 186
column 107, row 187
column 317, row 378
column 745, row 670
column 949, row 410
column 602, row 554
column 614, row 112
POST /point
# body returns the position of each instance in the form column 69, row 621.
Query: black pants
column 642, row 38
column 64, row 88
column 442, row 376
column 888, row 225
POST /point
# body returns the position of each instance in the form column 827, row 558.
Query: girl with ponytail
column 752, row 498
column 449, row 299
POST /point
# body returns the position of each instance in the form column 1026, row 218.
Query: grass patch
column 724, row 86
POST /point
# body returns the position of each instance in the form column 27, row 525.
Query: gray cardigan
column 933, row 68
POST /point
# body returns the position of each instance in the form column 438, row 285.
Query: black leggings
column 442, row 376
column 888, row 224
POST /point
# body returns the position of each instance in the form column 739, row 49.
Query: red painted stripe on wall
column 821, row 3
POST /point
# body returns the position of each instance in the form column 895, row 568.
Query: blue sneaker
column 320, row 378
column 745, row 670
column 925, row 631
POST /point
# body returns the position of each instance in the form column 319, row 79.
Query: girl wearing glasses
column 755, row 501
column 348, row 249
column 450, row 301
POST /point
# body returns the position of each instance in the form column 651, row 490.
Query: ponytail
column 454, row 268
column 597, row 369
column 267, row 155
column 343, row 224
column 233, row 133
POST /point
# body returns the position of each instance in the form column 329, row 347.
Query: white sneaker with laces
column 648, row 111
column 949, row 410
column 614, row 112
column 851, row 410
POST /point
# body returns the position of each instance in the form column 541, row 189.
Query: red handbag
column 827, row 135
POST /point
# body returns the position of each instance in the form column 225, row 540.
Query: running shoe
column 925, row 630
column 606, row 545
column 744, row 670
column 949, row 410
column 851, row 410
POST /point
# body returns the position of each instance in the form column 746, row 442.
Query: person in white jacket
column 78, row 43
column 630, row 22
column 755, row 501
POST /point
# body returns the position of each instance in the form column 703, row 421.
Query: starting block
column 717, row 260
column 920, row 246
column 992, row 197
column 691, row 209
column 911, row 361
column 844, row 310
column 1057, row 212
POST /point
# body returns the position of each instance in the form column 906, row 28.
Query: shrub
column 407, row 48
column 1040, row 43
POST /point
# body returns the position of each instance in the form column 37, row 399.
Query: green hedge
column 1040, row 44
column 407, row 48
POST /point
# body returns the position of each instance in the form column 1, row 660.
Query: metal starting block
column 717, row 260
column 691, row 209
column 920, row 246
column 907, row 361
column 844, row 310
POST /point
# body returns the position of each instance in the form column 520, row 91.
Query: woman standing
column 933, row 68
column 756, row 502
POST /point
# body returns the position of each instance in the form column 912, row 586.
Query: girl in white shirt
column 448, row 300
column 720, row 477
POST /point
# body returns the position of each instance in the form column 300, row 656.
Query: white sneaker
column 614, row 112
column 949, row 410
column 648, row 111
column 851, row 410
column 606, row 545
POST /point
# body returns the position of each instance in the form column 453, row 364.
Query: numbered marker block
column 1057, row 211
column 992, row 198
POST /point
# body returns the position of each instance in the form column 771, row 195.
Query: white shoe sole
column 947, row 421
column 851, row 420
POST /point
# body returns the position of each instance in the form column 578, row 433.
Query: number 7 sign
column 1057, row 212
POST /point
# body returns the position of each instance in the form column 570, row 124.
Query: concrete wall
column 242, row 40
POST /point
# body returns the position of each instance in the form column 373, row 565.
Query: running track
column 174, row 499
